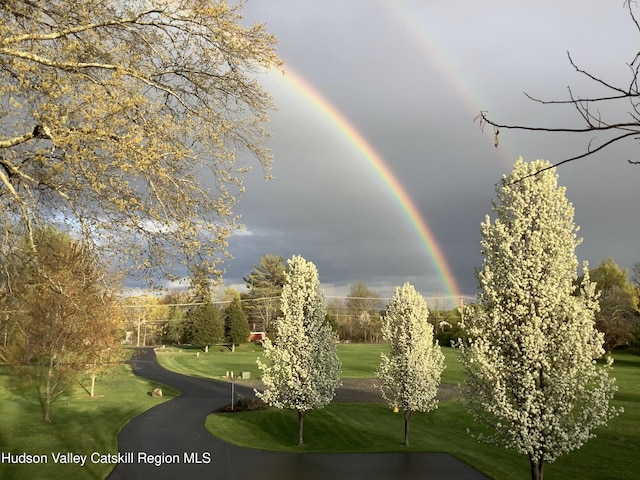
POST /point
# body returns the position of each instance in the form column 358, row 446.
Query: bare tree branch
column 593, row 120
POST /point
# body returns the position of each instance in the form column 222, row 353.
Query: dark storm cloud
column 416, row 109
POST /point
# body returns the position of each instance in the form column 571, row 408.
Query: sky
column 379, row 89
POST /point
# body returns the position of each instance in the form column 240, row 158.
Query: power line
column 248, row 300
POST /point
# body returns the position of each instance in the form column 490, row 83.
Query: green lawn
column 84, row 425
column 80, row 424
column 614, row 454
column 213, row 364
column 358, row 361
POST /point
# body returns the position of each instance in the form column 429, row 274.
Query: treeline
column 201, row 316
column 192, row 317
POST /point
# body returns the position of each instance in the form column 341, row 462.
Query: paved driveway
column 172, row 435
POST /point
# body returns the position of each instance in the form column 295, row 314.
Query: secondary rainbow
column 436, row 54
column 384, row 173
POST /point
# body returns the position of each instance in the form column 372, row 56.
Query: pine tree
column 265, row 284
column 235, row 322
column 203, row 324
column 532, row 343
column 410, row 376
column 303, row 369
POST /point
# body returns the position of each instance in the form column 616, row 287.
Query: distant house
column 257, row 336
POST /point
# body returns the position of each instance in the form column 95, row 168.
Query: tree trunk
column 537, row 469
column 48, row 393
column 93, row 384
column 300, row 427
column 407, row 417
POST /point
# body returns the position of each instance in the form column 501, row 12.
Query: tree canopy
column 203, row 323
column 618, row 300
column 410, row 375
column 302, row 368
column 236, row 327
column 265, row 284
column 121, row 122
column 532, row 342
column 65, row 314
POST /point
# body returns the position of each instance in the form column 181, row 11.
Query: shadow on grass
column 626, row 361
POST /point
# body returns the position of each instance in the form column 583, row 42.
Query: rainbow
column 435, row 53
column 380, row 167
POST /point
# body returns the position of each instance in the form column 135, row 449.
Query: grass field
column 84, row 425
column 213, row 364
column 80, row 424
column 358, row 361
column 614, row 454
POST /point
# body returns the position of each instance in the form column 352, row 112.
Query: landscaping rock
column 156, row 393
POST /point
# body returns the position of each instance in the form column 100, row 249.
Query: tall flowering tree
column 303, row 369
column 532, row 344
column 410, row 376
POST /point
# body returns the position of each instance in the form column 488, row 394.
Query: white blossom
column 410, row 375
column 303, row 369
column 531, row 341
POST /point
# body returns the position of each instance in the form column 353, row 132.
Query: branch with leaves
column 122, row 123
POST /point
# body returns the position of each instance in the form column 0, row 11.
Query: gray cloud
column 416, row 109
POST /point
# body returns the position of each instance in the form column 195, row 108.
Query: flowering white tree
column 410, row 376
column 532, row 343
column 303, row 370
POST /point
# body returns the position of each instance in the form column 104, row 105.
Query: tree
column 363, row 305
column 203, row 324
column 235, row 322
column 303, row 369
column 590, row 110
column 69, row 317
column 635, row 274
column 146, row 319
column 410, row 376
column 121, row 122
column 265, row 284
column 618, row 304
column 531, row 342
column 176, row 301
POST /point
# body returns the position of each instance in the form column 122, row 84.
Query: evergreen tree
column 265, row 284
column 410, row 376
column 532, row 342
column 303, row 369
column 203, row 324
column 235, row 322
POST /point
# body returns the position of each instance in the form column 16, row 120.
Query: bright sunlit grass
column 81, row 424
column 84, row 425
column 614, row 454
column 358, row 361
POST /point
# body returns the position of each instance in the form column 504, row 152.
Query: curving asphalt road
column 173, row 435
